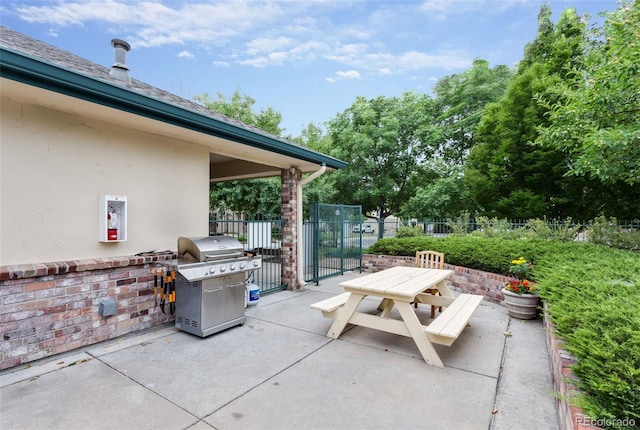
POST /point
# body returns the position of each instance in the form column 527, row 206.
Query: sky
column 308, row 60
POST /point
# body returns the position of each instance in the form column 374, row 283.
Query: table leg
column 344, row 315
column 385, row 306
column 421, row 339
column 444, row 289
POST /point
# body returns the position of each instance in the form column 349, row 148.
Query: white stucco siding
column 54, row 165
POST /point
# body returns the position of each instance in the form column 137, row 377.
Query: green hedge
column 491, row 255
column 593, row 297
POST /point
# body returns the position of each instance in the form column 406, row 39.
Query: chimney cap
column 119, row 70
column 119, row 43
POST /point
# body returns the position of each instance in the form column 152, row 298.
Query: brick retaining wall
column 47, row 309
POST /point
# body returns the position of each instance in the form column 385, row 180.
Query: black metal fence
column 335, row 236
column 392, row 227
column 261, row 237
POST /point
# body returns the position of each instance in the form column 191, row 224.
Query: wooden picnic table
column 400, row 287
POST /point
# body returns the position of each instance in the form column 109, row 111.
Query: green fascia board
column 31, row 71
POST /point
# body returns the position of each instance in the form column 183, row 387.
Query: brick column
column 289, row 180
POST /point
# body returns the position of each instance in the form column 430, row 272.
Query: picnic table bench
column 399, row 287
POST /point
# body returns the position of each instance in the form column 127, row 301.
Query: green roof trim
column 28, row 70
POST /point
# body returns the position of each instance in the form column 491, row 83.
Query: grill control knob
column 255, row 264
column 212, row 270
column 223, row 268
column 241, row 266
column 232, row 267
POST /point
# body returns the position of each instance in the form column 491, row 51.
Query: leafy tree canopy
column 385, row 141
column 444, row 196
column 597, row 121
column 240, row 107
column 508, row 176
column 256, row 198
column 461, row 100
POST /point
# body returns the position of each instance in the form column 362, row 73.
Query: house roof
column 75, row 84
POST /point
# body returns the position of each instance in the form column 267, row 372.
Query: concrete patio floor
column 279, row 371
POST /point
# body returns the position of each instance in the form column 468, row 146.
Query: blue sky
column 308, row 60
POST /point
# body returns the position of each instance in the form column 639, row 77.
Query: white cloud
column 76, row 13
column 151, row 23
column 344, row 74
column 262, row 34
column 442, row 9
column 419, row 60
column 258, row 62
column 438, row 5
column 340, row 75
column 349, row 74
column 259, row 46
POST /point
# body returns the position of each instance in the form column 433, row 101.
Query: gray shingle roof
column 19, row 42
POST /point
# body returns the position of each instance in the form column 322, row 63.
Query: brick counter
column 50, row 308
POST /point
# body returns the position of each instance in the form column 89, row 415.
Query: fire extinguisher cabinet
column 112, row 213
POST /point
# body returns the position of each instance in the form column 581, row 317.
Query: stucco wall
column 54, row 165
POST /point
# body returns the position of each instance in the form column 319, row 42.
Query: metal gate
column 262, row 237
column 332, row 240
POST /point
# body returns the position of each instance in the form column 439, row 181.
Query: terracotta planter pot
column 522, row 306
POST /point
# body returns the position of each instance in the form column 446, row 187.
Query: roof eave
column 31, row 71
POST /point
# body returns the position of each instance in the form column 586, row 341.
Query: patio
column 280, row 371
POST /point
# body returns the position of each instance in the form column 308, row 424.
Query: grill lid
column 209, row 248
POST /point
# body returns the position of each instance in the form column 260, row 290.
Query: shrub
column 409, row 231
column 564, row 231
column 488, row 254
column 494, row 227
column 460, row 225
column 593, row 295
column 608, row 232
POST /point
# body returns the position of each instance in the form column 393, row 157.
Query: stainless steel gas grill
column 210, row 284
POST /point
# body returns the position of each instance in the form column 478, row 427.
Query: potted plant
column 519, row 292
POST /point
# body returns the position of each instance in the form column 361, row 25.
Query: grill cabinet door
column 222, row 299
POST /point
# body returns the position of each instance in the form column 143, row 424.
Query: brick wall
column 51, row 308
column 560, row 360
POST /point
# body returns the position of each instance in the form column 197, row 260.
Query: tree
column 461, row 100
column 385, row 141
column 254, row 197
column 445, row 196
column 507, row 174
column 460, row 103
column 240, row 107
column 323, row 188
column 597, row 119
column 257, row 198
